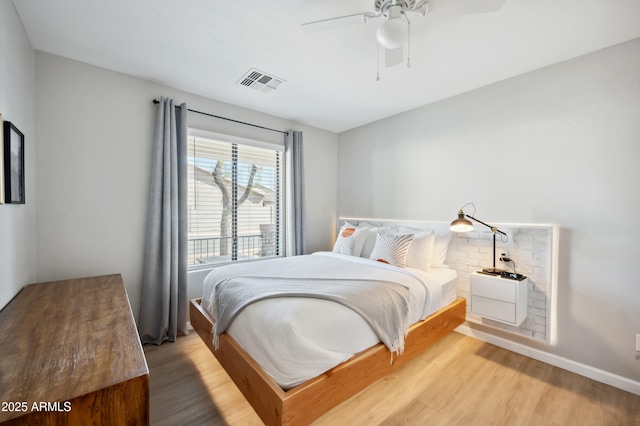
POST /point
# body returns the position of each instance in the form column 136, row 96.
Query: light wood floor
column 459, row 381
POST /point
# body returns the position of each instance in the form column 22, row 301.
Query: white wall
column 557, row 145
column 18, row 257
column 94, row 162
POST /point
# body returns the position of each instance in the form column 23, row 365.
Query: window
column 234, row 199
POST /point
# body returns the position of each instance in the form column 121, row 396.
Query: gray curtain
column 296, row 241
column 163, row 310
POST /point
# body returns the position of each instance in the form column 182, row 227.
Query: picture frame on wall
column 1, row 163
column 13, row 164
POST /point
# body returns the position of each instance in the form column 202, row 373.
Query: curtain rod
column 155, row 101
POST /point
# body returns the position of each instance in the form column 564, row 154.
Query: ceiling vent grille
column 258, row 80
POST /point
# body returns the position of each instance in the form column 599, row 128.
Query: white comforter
column 295, row 339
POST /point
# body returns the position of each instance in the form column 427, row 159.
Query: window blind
column 233, row 202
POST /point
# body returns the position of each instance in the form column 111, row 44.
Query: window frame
column 238, row 140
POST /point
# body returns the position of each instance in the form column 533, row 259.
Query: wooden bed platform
column 306, row 402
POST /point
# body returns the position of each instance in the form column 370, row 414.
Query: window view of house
column 234, row 201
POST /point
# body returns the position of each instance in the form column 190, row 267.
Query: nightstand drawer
column 494, row 288
column 498, row 298
column 492, row 308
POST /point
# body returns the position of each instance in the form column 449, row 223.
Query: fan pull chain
column 408, row 42
column 378, row 63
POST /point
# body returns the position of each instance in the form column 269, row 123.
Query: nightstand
column 499, row 299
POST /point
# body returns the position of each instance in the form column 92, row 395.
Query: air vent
column 258, row 80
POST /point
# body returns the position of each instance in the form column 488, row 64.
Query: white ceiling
column 205, row 46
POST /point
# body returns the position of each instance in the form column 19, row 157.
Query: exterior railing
column 207, row 250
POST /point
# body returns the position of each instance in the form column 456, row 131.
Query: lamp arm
column 493, row 228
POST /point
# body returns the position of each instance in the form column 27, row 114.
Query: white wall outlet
column 638, row 342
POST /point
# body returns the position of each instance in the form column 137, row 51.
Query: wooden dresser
column 70, row 355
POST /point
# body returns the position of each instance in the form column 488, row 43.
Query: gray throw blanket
column 383, row 304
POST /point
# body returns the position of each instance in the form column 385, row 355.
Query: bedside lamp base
column 493, row 271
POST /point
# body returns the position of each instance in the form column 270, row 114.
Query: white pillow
column 420, row 253
column 370, row 241
column 350, row 240
column 440, row 247
column 392, row 248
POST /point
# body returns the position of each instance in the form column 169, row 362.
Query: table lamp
column 462, row 224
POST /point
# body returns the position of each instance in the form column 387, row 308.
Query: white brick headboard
column 533, row 248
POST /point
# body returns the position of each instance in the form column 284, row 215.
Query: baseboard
column 555, row 360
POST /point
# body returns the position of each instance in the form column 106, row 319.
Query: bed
column 295, row 356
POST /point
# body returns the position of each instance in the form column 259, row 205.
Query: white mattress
column 295, row 339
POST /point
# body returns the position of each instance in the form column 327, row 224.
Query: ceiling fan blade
column 393, row 57
column 463, row 7
column 331, row 23
column 421, row 8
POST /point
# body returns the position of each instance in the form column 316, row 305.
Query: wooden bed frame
column 306, row 402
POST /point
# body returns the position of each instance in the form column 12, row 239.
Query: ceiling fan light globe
column 392, row 33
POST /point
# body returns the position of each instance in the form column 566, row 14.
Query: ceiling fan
column 395, row 29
